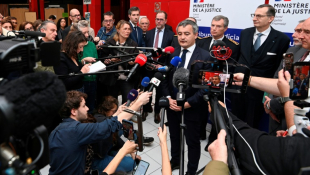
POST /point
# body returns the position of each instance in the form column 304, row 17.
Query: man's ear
column 73, row 112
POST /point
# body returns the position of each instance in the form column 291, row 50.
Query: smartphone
column 128, row 129
column 288, row 60
column 300, row 86
column 142, row 168
column 215, row 79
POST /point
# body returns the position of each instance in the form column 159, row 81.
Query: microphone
column 180, row 80
column 155, row 81
column 139, row 61
column 131, row 96
column 163, row 104
column 220, row 51
column 145, row 82
column 167, row 50
column 30, row 33
column 28, row 95
column 175, row 61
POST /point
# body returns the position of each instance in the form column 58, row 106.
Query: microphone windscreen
column 37, row 99
column 169, row 50
column 219, row 43
column 34, row 33
column 145, row 81
column 175, row 61
column 163, row 102
column 159, row 76
column 163, row 69
column 181, row 75
column 132, row 95
column 141, row 59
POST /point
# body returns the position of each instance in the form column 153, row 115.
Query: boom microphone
column 139, row 61
column 155, row 81
column 132, row 95
column 220, row 51
column 30, row 33
column 145, row 82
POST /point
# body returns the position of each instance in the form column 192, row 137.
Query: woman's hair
column 107, row 104
column 70, row 44
column 23, row 24
column 58, row 23
column 37, row 23
column 118, row 26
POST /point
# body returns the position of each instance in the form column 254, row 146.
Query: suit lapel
column 134, row 33
column 249, row 44
column 152, row 37
column 163, row 42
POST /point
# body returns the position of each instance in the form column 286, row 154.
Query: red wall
column 177, row 10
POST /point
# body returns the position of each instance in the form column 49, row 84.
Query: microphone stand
column 94, row 73
column 180, row 98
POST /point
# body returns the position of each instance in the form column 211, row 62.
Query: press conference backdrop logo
column 199, row 1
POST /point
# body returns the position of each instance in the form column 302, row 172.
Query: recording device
column 288, row 60
column 163, row 104
column 216, row 79
column 25, row 114
column 155, row 81
column 142, row 168
column 180, row 81
column 131, row 96
column 145, row 82
column 128, row 129
column 29, row 33
column 139, row 61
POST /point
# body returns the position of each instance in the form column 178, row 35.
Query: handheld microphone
column 167, row 50
column 131, row 96
column 163, row 104
column 155, row 81
column 145, row 82
column 175, row 61
column 180, row 80
column 220, row 51
column 139, row 61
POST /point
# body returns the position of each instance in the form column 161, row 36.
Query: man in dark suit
column 75, row 17
column 144, row 24
column 137, row 33
column 261, row 49
column 159, row 37
column 194, row 107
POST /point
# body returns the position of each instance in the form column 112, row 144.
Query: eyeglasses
column 108, row 21
column 158, row 19
column 258, row 16
column 77, row 15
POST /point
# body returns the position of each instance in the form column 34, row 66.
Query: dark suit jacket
column 168, row 27
column 265, row 61
column 65, row 32
column 133, row 36
column 167, row 39
column 193, row 96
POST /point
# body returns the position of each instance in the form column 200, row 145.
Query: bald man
column 75, row 17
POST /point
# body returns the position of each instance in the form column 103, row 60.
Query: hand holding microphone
column 139, row 61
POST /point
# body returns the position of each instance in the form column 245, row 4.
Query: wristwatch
column 283, row 100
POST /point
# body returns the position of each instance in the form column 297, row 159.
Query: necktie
column 156, row 39
column 257, row 42
column 183, row 57
column 136, row 32
column 304, row 56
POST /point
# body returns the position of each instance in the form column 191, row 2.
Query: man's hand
column 173, row 105
column 268, row 111
column 187, row 105
column 120, row 109
column 115, row 60
column 238, row 78
column 144, row 98
column 129, row 147
column 218, row 148
column 283, row 83
column 88, row 60
column 96, row 39
column 107, row 61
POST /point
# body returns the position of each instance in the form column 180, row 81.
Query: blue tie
column 183, row 57
column 257, row 42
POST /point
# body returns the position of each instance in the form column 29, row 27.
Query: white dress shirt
column 263, row 37
column 160, row 37
column 307, row 58
column 188, row 54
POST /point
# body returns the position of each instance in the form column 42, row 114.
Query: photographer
column 68, row 141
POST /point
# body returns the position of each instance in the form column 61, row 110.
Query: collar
column 160, row 31
column 132, row 24
column 190, row 49
column 266, row 32
column 105, row 31
column 68, row 119
column 219, row 38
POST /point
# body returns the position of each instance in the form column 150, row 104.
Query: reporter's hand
column 187, row 105
column 107, row 61
column 238, row 78
column 162, row 135
column 120, row 109
column 115, row 60
column 283, row 83
column 85, row 68
column 218, row 148
column 131, row 63
column 280, row 133
column 144, row 98
column 268, row 111
column 88, row 60
column 129, row 147
column 96, row 39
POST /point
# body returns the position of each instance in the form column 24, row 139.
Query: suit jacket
column 167, row 39
column 133, row 36
column 192, row 95
column 168, row 27
column 65, row 32
column 265, row 61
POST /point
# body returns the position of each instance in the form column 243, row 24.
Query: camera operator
column 68, row 142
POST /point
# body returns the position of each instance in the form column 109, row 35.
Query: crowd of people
column 88, row 137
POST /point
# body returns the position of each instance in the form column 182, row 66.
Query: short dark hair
column 109, row 13
column 53, row 17
column 271, row 11
column 14, row 18
column 73, row 101
column 71, row 43
column 166, row 15
column 133, row 9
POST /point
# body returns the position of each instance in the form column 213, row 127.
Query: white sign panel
column 238, row 12
column 86, row 1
